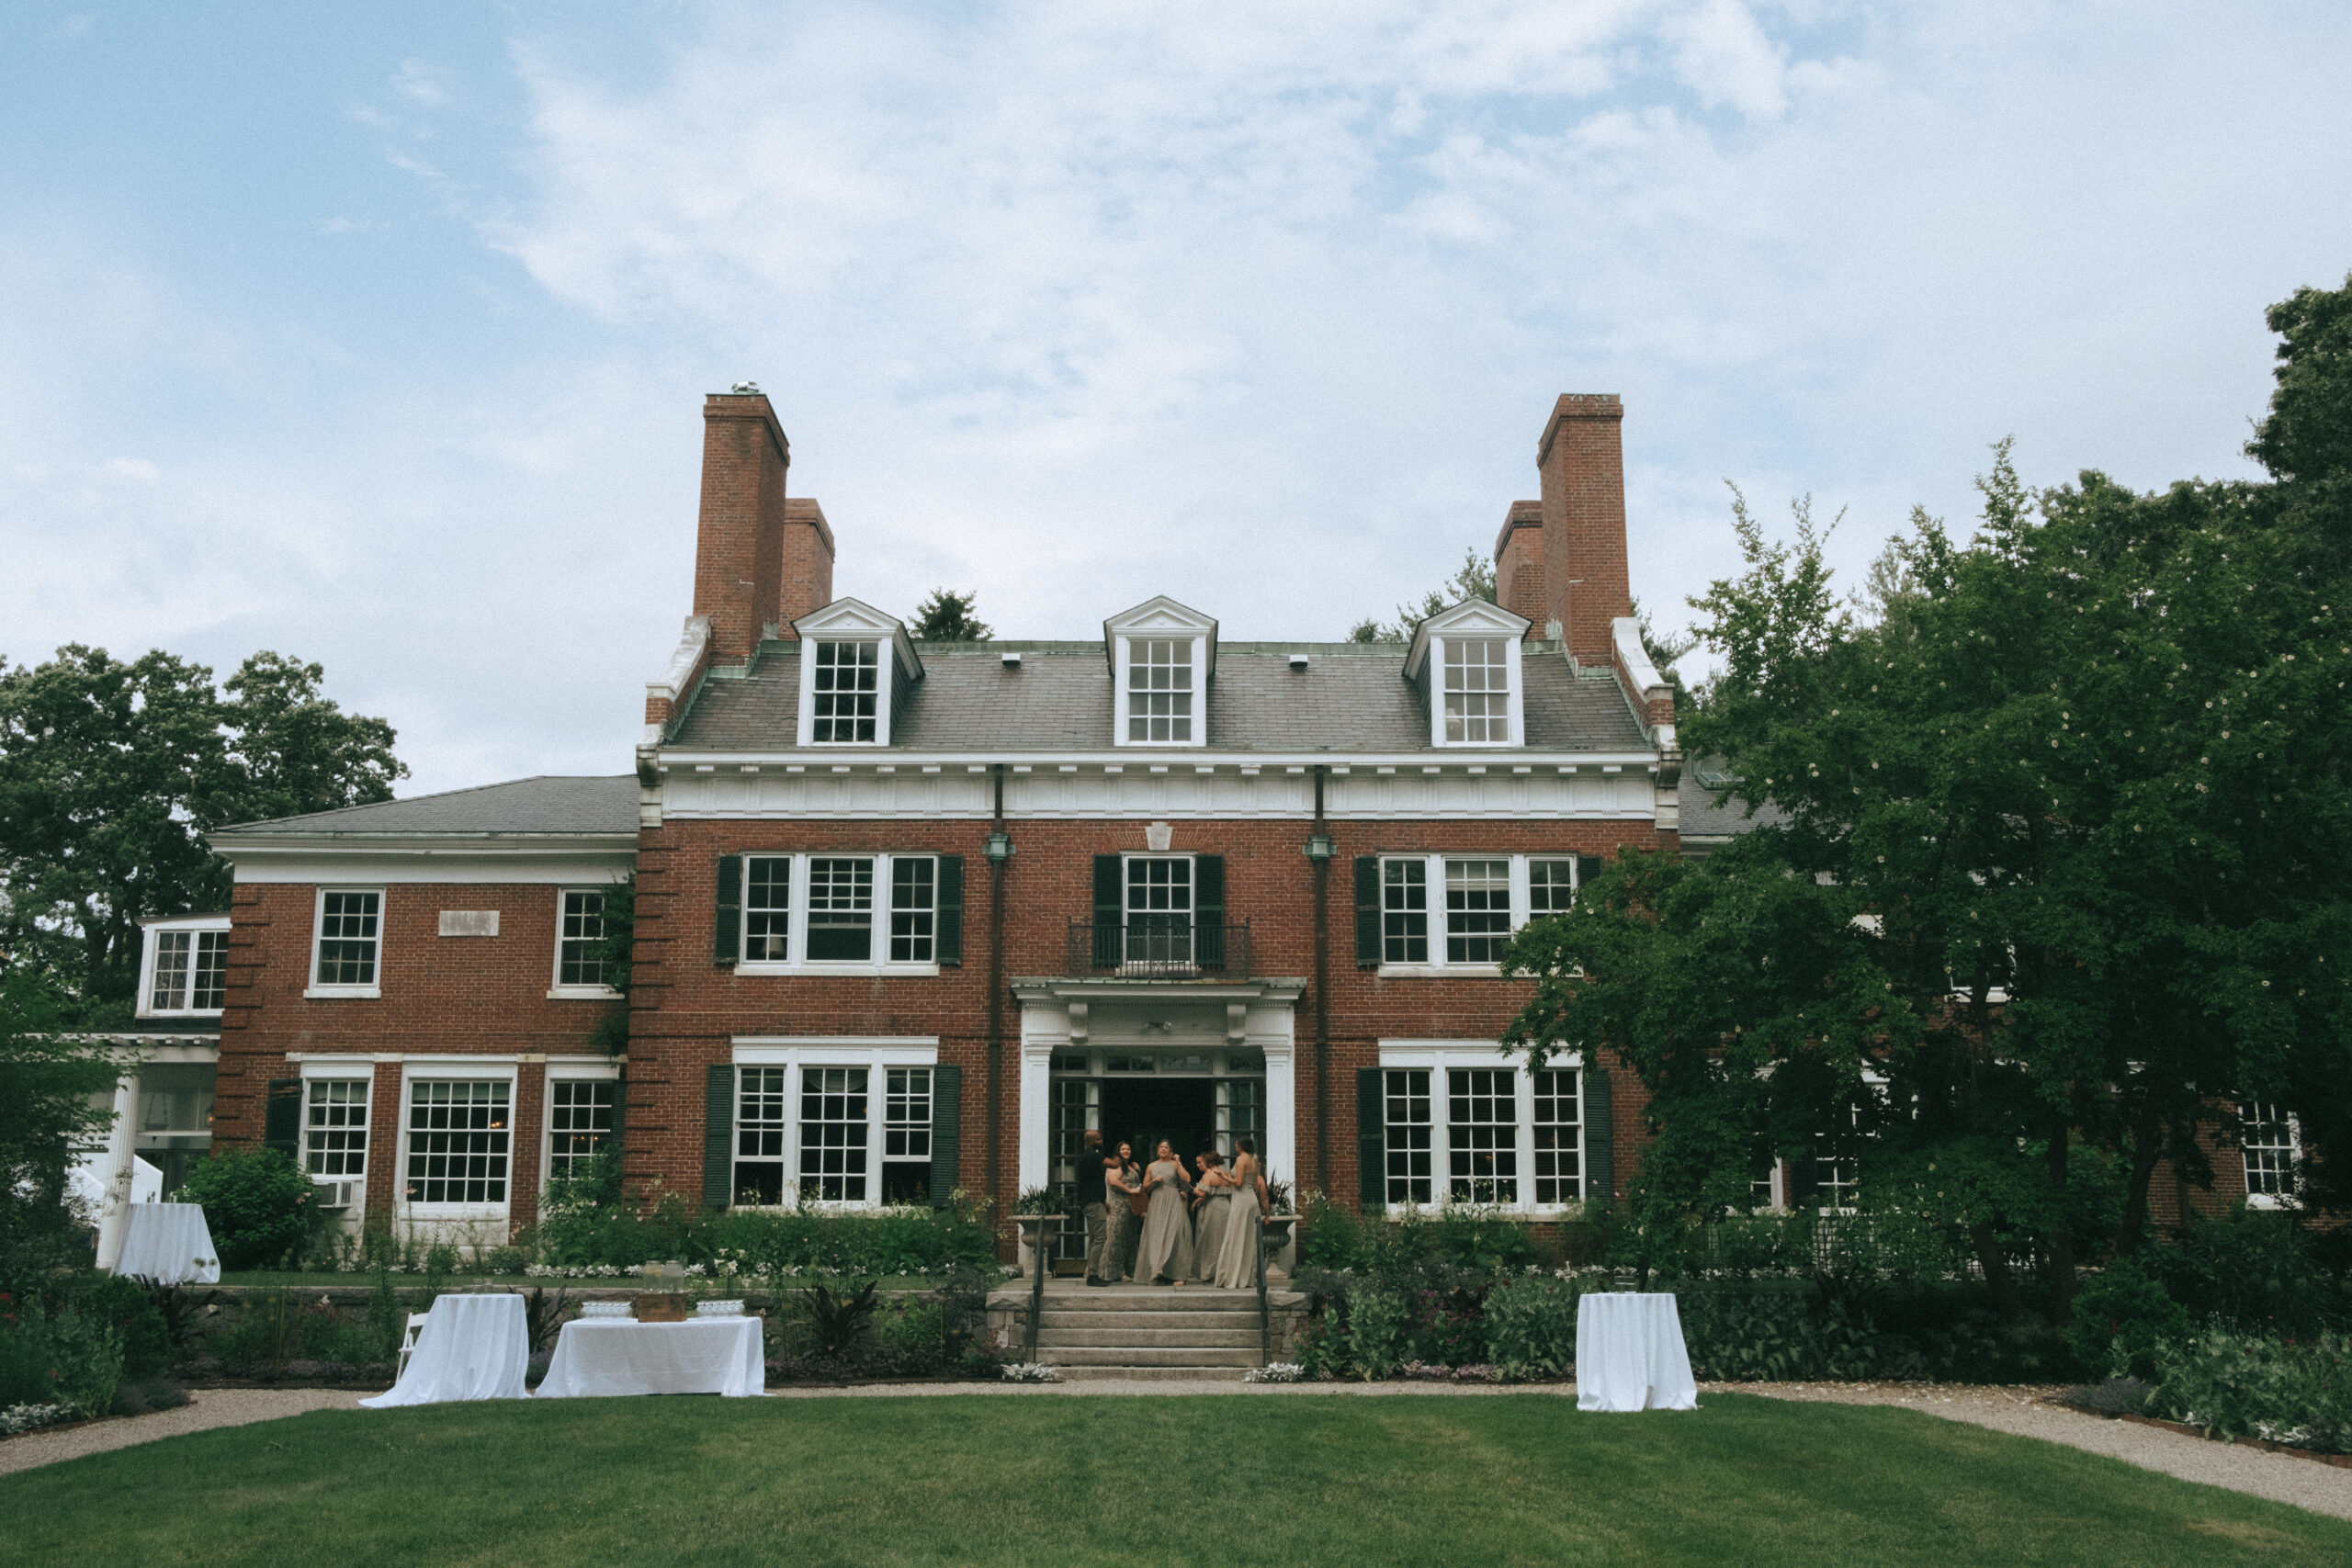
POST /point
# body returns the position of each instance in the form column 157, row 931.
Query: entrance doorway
column 1144, row 1110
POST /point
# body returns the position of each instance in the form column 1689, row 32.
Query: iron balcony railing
column 1160, row 947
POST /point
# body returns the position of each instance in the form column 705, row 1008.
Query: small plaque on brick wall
column 468, row 922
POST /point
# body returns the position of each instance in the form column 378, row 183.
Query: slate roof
column 549, row 803
column 1705, row 822
column 1349, row 698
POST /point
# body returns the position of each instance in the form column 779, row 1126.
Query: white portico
column 1197, row 1062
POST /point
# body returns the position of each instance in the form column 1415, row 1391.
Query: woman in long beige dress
column 1166, row 1255
column 1237, row 1261
column 1212, row 1200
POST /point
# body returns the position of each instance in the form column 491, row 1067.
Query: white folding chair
column 408, row 1343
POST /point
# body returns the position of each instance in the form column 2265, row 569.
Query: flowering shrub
column 1276, row 1371
column 27, row 1417
column 1424, row 1372
column 1031, row 1371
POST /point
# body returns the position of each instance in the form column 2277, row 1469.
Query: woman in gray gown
column 1166, row 1255
column 1212, row 1200
column 1237, row 1261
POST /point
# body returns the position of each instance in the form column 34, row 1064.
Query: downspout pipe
column 995, row 1001
column 1322, row 1002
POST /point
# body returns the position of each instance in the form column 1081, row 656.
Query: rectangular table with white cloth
column 598, row 1357
column 169, row 1243
column 1630, row 1354
column 470, row 1347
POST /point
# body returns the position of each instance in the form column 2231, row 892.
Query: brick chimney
column 806, row 582
column 739, row 545
column 1582, row 464
column 1519, row 565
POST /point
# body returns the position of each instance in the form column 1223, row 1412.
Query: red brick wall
column 1519, row 565
column 455, row 995
column 687, row 1009
column 739, row 541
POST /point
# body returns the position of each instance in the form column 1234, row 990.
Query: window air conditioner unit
column 339, row 1194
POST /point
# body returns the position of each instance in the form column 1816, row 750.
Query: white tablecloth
column 595, row 1357
column 168, row 1243
column 470, row 1347
column 1630, row 1354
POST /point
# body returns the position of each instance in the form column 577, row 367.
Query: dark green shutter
column 281, row 1122
column 727, row 929
column 1600, row 1167
column 1208, row 911
column 719, row 1137
column 1588, row 867
column 621, row 1110
column 946, row 1121
column 951, row 909
column 1110, row 895
column 1367, row 911
column 1371, row 1139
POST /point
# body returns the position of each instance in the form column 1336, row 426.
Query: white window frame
column 1438, row 1058
column 2294, row 1149
column 311, row 1084
column 1190, row 911
column 570, row 1072
column 797, row 961
column 1433, row 883
column 557, row 989
column 883, row 682
column 1515, row 726
column 443, row 1070
column 796, row 1055
column 374, row 987
column 1198, row 645
column 150, row 940
column 850, row 620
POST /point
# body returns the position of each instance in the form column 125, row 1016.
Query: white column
column 1271, row 1030
column 1044, row 1026
column 114, row 1171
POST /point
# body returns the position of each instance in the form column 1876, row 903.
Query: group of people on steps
column 1169, row 1224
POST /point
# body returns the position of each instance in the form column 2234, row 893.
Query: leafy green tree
column 110, row 775
column 47, row 1080
column 946, row 616
column 2059, row 869
column 257, row 1203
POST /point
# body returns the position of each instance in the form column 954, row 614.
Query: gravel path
column 2021, row 1411
column 206, row 1409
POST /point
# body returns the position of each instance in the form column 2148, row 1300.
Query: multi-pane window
column 334, row 1127
column 1404, row 911
column 458, row 1137
column 1159, row 910
column 914, row 903
column 767, row 909
column 1482, row 1135
column 758, row 1135
column 1478, row 690
column 1407, row 1135
column 191, row 971
column 1241, row 1112
column 848, row 682
column 2268, row 1136
column 578, row 961
column 1557, row 1124
column 1478, row 910
column 841, row 910
column 581, row 1113
column 348, row 937
column 906, row 1135
column 1834, row 1181
column 834, row 1128
column 1551, row 887
column 1159, row 689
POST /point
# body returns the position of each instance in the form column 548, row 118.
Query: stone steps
column 1163, row 1334
column 1146, row 1356
column 1154, row 1374
column 1156, row 1335
column 1055, row 1320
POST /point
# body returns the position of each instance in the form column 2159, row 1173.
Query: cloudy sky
column 378, row 333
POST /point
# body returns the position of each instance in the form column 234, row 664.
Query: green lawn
column 1202, row 1481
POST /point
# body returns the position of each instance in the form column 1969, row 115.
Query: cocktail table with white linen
column 600, row 1357
column 470, row 1347
column 1630, row 1354
column 169, row 1243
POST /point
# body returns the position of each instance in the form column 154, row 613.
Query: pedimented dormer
column 1163, row 655
column 1466, row 661
column 856, row 665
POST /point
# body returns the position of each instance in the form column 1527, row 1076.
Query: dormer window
column 856, row 664
column 187, row 966
column 1466, row 660
column 1477, row 690
column 1163, row 658
column 848, row 676
column 1159, row 690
